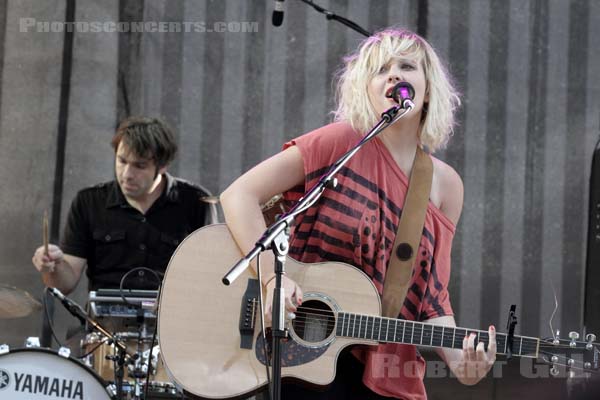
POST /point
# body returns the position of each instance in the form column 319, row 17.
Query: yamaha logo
column 4, row 379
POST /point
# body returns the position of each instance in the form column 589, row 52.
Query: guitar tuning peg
column 573, row 336
column 590, row 337
column 556, row 337
column 554, row 371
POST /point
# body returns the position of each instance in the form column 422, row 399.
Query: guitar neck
column 391, row 330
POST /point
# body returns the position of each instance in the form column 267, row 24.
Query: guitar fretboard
column 391, row 330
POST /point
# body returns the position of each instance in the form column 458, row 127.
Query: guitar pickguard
column 292, row 353
column 310, row 332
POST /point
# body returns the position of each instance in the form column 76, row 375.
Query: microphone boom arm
column 79, row 313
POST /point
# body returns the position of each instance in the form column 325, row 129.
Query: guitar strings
column 330, row 323
column 455, row 338
column 331, row 320
column 328, row 319
column 328, row 314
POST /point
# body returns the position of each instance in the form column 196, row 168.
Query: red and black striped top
column 356, row 223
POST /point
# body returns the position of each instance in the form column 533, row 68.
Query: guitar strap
column 408, row 237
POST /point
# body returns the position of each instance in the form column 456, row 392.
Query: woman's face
column 398, row 69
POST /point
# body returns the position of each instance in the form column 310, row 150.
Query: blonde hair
column 354, row 106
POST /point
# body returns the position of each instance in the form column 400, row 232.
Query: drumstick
column 45, row 232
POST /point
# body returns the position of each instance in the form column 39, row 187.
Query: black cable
column 262, row 324
column 121, row 292
column 150, row 364
column 329, row 15
column 50, row 324
column 103, row 341
column 157, row 275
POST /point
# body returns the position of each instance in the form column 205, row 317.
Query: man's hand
column 47, row 262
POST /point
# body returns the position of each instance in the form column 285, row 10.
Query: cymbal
column 16, row 303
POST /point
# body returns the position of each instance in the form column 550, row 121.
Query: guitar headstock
column 580, row 358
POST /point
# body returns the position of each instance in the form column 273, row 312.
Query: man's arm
column 58, row 270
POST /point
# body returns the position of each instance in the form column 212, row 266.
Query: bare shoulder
column 447, row 190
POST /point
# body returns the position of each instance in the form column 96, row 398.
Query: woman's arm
column 241, row 206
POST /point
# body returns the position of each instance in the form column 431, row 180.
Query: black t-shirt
column 114, row 237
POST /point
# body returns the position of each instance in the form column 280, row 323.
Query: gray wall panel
column 458, row 61
column 234, row 100
column 152, row 56
column 191, row 135
column 316, row 80
column 91, row 117
column 28, row 124
column 574, row 233
column 275, row 132
column 476, row 98
column 554, row 162
column 495, row 142
column 171, row 79
column 515, row 152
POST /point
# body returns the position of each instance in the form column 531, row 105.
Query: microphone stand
column 276, row 237
column 78, row 312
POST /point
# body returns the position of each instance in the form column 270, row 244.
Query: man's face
column 136, row 175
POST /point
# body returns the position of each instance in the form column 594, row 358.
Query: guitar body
column 201, row 321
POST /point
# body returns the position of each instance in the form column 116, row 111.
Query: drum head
column 43, row 374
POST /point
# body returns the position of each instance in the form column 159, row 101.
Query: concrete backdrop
column 530, row 120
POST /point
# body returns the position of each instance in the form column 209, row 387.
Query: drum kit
column 117, row 359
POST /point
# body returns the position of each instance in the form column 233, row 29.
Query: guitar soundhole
column 314, row 321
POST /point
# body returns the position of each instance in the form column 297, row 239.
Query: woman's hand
column 292, row 296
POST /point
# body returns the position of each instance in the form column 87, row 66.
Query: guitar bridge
column 248, row 311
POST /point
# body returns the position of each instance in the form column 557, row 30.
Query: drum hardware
column 127, row 359
column 121, row 357
column 32, row 341
column 123, row 311
column 132, row 316
column 39, row 373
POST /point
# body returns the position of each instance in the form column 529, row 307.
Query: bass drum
column 35, row 373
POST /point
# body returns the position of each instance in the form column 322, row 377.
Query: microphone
column 70, row 305
column 277, row 18
column 403, row 93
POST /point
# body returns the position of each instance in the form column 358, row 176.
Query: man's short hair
column 147, row 138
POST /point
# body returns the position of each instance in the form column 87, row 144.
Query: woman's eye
column 408, row 67
column 383, row 69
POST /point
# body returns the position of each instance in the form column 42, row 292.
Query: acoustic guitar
column 211, row 341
